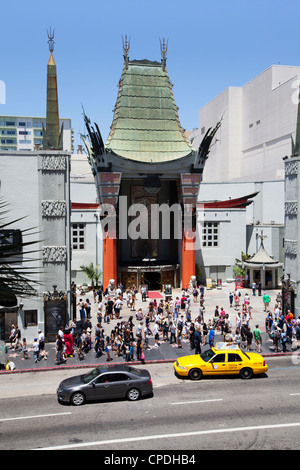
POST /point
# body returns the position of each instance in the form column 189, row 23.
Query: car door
column 120, row 384
column 217, row 365
column 235, row 363
column 100, row 388
column 111, row 385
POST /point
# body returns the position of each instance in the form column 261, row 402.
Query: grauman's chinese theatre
column 148, row 159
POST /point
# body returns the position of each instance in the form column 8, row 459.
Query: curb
column 135, row 363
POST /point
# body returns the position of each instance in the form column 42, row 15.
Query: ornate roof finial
column 163, row 48
column 261, row 237
column 51, row 42
column 126, row 45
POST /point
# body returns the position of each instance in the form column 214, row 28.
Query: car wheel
column 246, row 373
column 195, row 374
column 133, row 394
column 77, row 399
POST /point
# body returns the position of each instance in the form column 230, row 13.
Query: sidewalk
column 166, row 352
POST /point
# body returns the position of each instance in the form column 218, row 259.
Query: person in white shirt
column 156, row 334
column 41, row 341
column 117, row 307
column 36, row 350
column 146, row 337
column 139, row 329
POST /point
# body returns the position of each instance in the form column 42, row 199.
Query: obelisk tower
column 52, row 136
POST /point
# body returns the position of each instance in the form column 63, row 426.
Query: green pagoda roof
column 146, row 125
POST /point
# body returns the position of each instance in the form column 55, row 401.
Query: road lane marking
column 36, row 416
column 198, row 401
column 169, row 436
column 294, row 394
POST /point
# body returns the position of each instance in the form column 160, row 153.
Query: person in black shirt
column 59, row 350
column 110, row 305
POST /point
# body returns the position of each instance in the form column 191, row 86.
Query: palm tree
column 15, row 275
column 92, row 273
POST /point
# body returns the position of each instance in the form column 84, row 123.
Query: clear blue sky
column 212, row 45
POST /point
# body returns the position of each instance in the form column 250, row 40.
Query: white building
column 25, row 133
column 291, row 292
column 36, row 187
column 258, row 129
column 259, row 120
column 86, row 236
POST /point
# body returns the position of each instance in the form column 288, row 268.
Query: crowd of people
column 167, row 320
column 282, row 328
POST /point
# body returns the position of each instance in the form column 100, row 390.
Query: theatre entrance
column 152, row 280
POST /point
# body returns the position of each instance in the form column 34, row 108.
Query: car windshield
column 207, row 355
column 87, row 378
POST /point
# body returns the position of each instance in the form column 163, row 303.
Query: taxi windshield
column 207, row 355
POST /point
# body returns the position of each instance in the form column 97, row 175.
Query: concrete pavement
column 166, row 352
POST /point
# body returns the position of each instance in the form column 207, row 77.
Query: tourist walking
column 257, row 338
column 108, row 348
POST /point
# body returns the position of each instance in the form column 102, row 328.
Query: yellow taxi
column 223, row 358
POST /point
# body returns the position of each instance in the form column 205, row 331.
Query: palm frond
column 17, row 279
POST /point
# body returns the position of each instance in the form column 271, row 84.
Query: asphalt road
column 215, row 413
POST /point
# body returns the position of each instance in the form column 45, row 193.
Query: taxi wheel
column 246, row 373
column 195, row 374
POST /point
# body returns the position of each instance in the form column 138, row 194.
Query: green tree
column 92, row 272
column 238, row 269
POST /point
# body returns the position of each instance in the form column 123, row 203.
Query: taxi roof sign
column 219, row 346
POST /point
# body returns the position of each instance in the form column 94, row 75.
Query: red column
column 188, row 259
column 109, row 260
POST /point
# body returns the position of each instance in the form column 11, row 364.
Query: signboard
column 239, row 281
column 3, row 352
column 55, row 317
column 168, row 289
column 209, row 283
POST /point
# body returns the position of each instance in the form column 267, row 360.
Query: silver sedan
column 106, row 382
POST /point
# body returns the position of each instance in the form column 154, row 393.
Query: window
column 104, row 378
column 24, row 124
column 24, row 132
column 8, row 132
column 207, row 355
column 219, row 358
column 24, row 142
column 8, row 141
column 232, row 357
column 30, row 317
column 118, row 377
column 112, row 377
column 210, row 234
column 11, row 240
column 78, row 236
